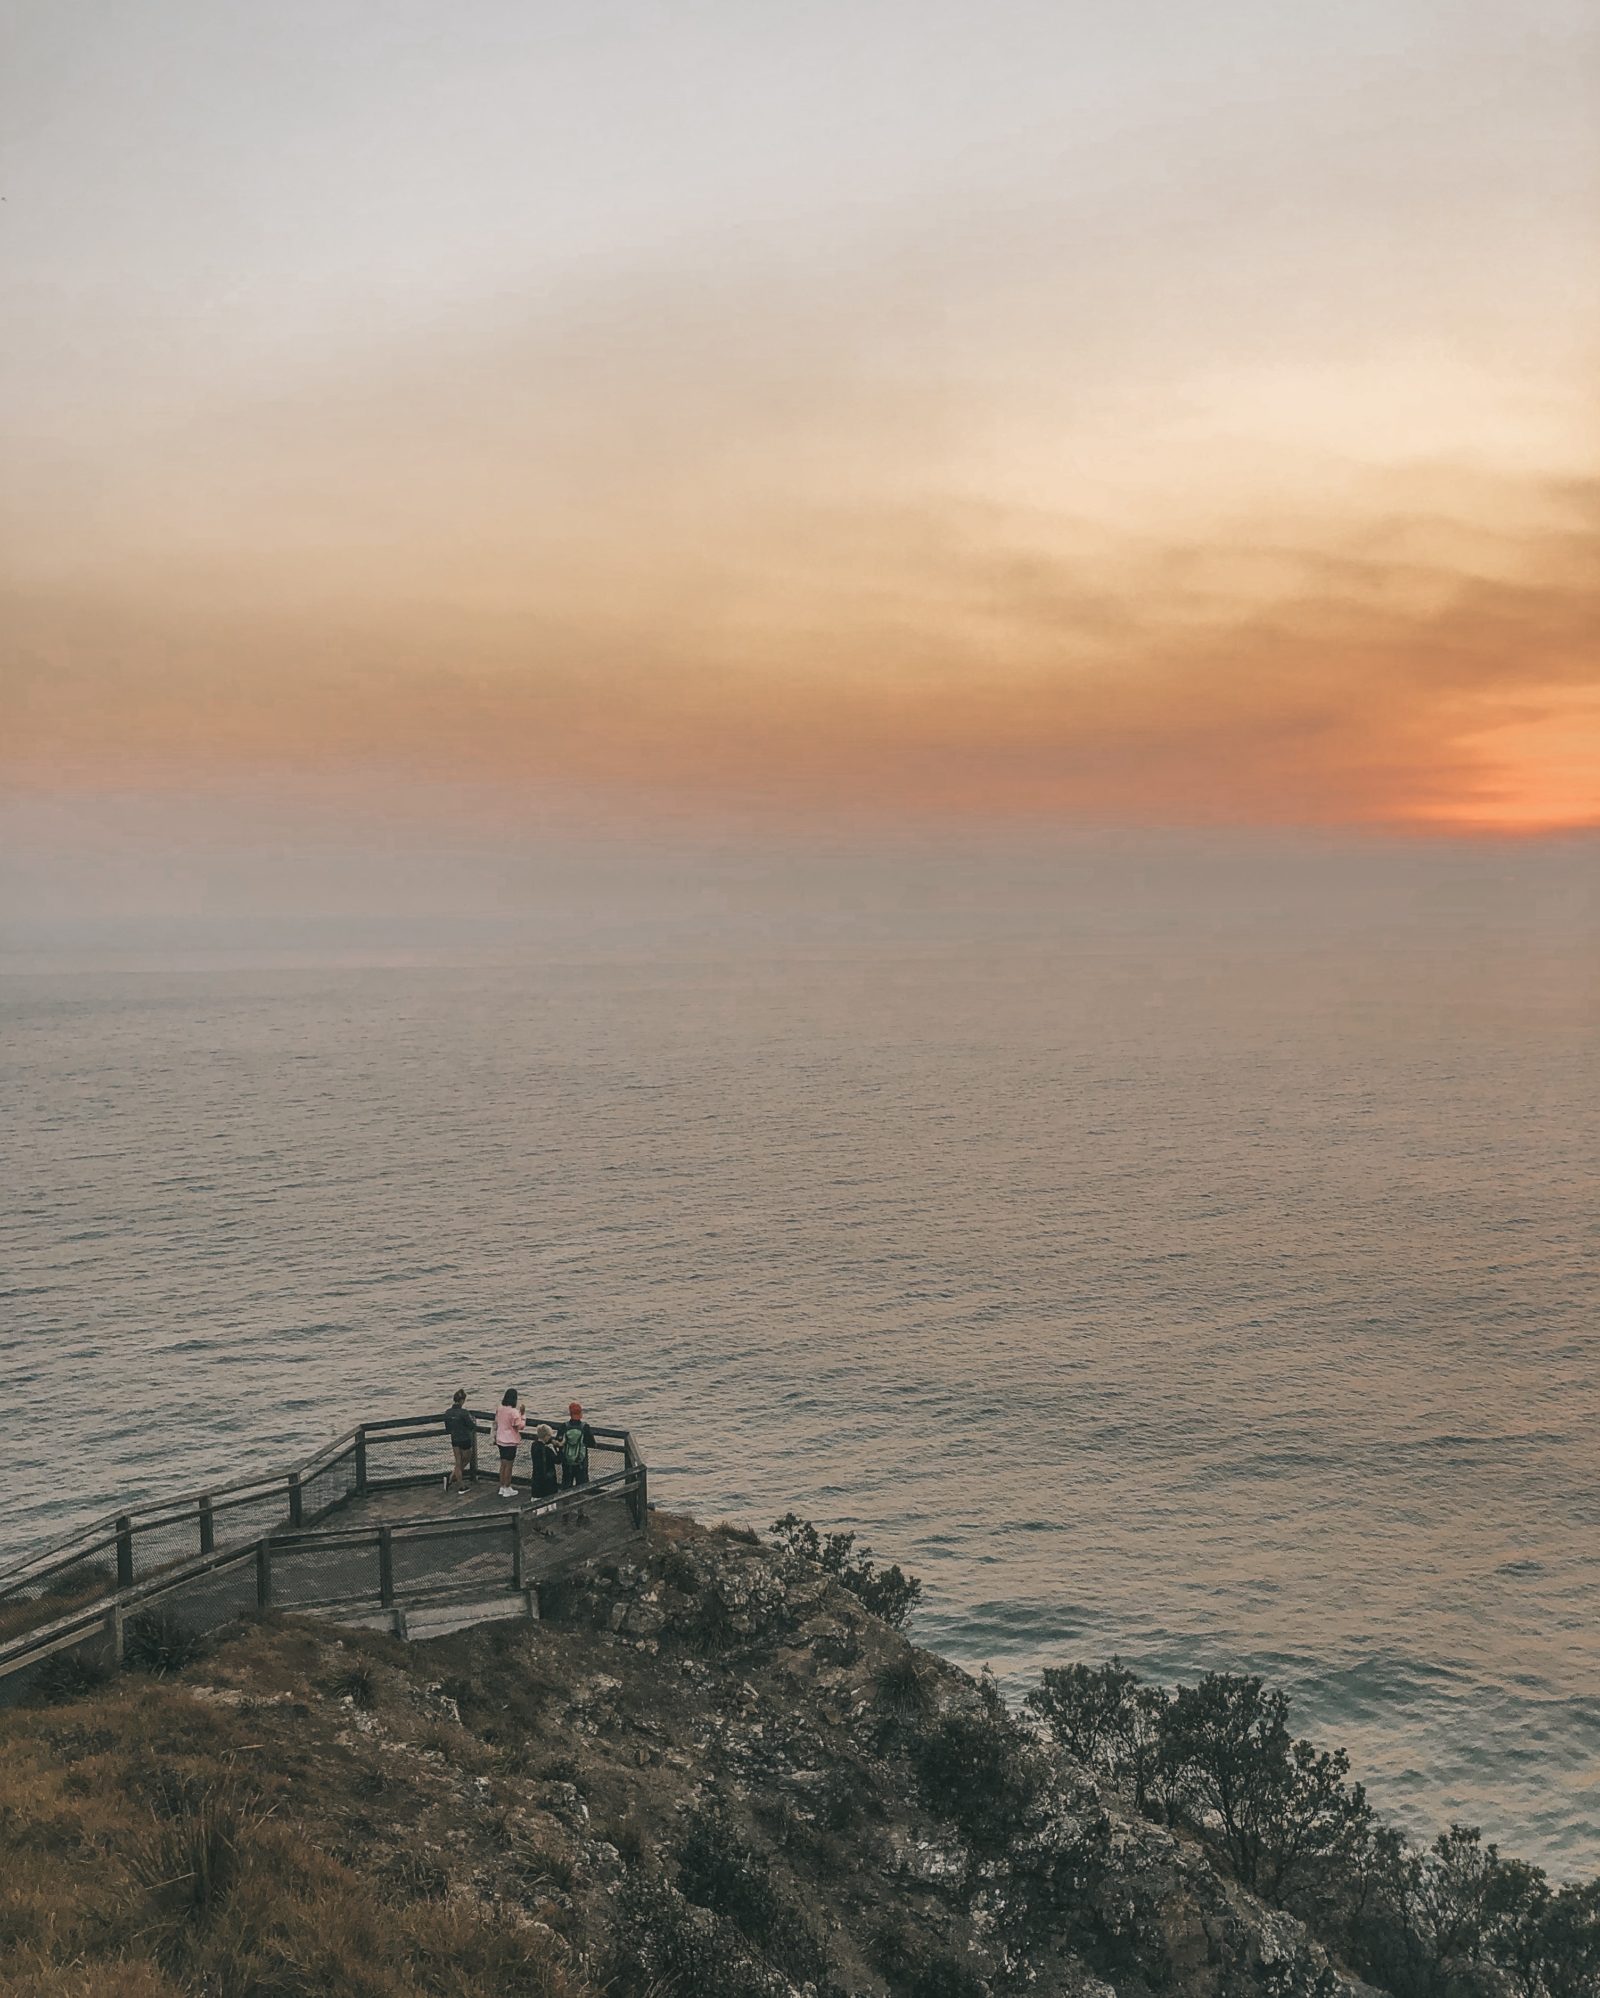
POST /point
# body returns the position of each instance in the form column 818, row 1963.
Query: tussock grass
column 155, row 1843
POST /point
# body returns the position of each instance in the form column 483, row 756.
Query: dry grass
column 156, row 1842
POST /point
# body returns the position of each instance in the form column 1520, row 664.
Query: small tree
column 1476, row 1907
column 888, row 1593
column 1566, row 1940
column 1276, row 1804
column 1108, row 1720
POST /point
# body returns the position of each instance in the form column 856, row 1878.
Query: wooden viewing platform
column 362, row 1532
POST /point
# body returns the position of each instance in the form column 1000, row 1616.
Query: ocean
column 1169, row 1251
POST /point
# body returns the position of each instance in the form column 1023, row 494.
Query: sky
column 717, row 420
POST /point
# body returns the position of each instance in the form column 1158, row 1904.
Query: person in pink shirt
column 509, row 1423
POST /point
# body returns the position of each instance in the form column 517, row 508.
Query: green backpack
column 572, row 1450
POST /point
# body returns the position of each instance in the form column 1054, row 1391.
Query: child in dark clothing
column 544, row 1462
column 577, row 1440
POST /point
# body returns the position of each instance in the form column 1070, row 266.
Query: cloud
column 736, row 543
column 874, row 664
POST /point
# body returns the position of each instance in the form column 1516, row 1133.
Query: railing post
column 517, row 1551
column 208, row 1526
column 361, row 1461
column 263, row 1574
column 641, row 1498
column 385, row 1567
column 124, row 1551
column 297, row 1505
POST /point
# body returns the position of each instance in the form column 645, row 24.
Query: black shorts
column 574, row 1474
column 508, row 1453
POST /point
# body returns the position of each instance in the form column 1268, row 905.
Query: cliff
column 707, row 1770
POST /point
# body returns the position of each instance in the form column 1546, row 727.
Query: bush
column 158, row 1643
column 667, row 1945
column 68, row 1676
column 358, row 1684
column 1277, row 1806
column 1452, row 1922
column 887, row 1593
column 901, row 1689
column 1111, row 1723
column 974, row 1768
column 194, row 1860
column 719, row 1870
column 1566, row 1934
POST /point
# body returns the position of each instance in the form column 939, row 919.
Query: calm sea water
column 1166, row 1258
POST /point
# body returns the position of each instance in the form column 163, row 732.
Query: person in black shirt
column 463, row 1434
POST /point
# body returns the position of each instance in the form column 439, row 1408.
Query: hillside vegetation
column 713, row 1770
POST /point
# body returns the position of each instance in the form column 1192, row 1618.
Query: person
column 509, row 1423
column 577, row 1440
column 544, row 1461
column 463, row 1434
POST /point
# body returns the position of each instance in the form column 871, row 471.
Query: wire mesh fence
column 67, row 1584
column 470, row 1554
column 327, row 1485
column 162, row 1543
column 206, row 1601
column 410, row 1453
column 208, row 1557
column 303, row 1573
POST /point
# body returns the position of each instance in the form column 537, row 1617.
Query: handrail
column 115, row 1532
column 102, row 1620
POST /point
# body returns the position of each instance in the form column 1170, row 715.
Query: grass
column 156, row 1844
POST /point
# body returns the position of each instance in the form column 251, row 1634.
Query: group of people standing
column 560, row 1457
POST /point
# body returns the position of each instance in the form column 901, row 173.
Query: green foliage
column 68, row 1676
column 199, row 1842
column 667, row 1945
column 1445, row 1923
column 887, row 1593
column 359, row 1685
column 974, row 1768
column 720, row 1870
column 901, row 1689
column 1567, row 1943
column 1110, row 1722
column 158, row 1643
column 1280, row 1806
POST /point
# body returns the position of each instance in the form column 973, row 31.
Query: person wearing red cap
column 573, row 1447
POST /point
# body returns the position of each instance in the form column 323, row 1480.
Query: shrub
column 1110, row 1722
column 666, row 1944
column 721, row 1871
column 1566, row 1933
column 68, row 1676
column 158, row 1643
column 901, row 1689
column 358, row 1684
column 195, row 1856
column 1277, row 1805
column 1453, row 1921
column 887, row 1593
column 974, row 1768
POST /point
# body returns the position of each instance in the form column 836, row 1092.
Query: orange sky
column 1167, row 444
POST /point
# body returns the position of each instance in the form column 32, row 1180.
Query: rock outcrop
column 706, row 1770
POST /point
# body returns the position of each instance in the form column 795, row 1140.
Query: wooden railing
column 80, row 1591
